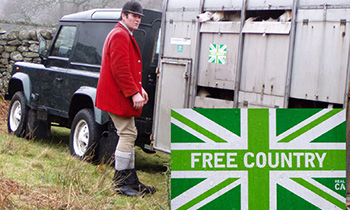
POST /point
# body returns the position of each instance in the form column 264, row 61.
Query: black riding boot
column 137, row 185
column 123, row 181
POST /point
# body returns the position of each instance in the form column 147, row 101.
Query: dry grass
column 39, row 174
column 15, row 196
column 3, row 114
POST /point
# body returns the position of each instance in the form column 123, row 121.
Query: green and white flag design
column 217, row 53
column 258, row 159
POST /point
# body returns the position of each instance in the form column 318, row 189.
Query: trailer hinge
column 343, row 22
column 245, row 104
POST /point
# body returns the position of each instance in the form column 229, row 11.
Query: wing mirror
column 42, row 47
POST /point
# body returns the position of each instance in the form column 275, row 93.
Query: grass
column 41, row 174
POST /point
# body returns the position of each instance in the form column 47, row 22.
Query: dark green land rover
column 61, row 90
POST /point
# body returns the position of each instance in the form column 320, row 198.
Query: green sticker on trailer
column 180, row 48
column 217, row 53
column 258, row 159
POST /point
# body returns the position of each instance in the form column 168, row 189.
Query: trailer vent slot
column 215, row 93
column 269, row 15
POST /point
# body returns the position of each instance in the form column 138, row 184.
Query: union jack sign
column 258, row 159
column 217, row 53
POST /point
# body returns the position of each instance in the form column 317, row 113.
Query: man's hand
column 138, row 101
column 145, row 95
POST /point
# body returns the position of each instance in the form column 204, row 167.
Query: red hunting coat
column 120, row 75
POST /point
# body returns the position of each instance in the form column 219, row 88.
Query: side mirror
column 42, row 47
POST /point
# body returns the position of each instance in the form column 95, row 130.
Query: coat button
column 139, row 61
column 139, row 72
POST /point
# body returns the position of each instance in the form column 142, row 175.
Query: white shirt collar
column 126, row 27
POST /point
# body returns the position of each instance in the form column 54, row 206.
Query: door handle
column 151, row 80
column 59, row 79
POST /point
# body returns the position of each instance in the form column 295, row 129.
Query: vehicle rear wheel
column 84, row 136
column 17, row 115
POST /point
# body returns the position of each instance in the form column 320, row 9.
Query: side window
column 140, row 36
column 156, row 49
column 89, row 45
column 64, row 43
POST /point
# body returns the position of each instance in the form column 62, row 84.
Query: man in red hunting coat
column 120, row 93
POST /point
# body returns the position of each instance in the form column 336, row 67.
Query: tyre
column 17, row 115
column 84, row 136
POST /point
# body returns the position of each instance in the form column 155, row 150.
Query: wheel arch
column 20, row 82
column 84, row 97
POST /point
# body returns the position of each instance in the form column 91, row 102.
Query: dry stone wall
column 18, row 46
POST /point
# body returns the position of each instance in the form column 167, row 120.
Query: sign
column 180, row 41
column 217, row 53
column 258, row 159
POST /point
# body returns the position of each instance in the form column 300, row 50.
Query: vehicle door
column 148, row 39
column 53, row 84
column 85, row 63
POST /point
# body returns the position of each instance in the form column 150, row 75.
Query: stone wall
column 19, row 46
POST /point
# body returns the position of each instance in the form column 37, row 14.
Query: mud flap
column 37, row 128
column 107, row 146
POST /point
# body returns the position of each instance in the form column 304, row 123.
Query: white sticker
column 181, row 41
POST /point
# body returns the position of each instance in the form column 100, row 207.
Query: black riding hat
column 133, row 7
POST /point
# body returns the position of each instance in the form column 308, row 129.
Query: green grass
column 41, row 174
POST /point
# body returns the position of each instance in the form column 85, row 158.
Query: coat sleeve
column 120, row 63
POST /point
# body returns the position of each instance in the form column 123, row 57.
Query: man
column 120, row 93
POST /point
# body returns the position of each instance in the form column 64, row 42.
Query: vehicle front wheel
column 17, row 115
column 84, row 136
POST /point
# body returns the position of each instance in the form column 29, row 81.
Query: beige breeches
column 126, row 131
